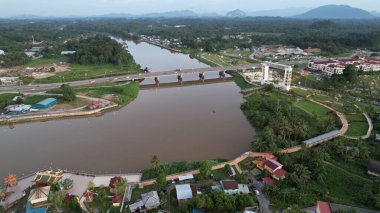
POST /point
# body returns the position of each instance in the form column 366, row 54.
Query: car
column 257, row 192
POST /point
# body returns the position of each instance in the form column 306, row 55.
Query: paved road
column 263, row 200
column 45, row 87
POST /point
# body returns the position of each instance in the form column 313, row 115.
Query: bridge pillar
column 201, row 76
column 157, row 80
column 180, row 78
column 222, row 74
column 288, row 78
column 265, row 71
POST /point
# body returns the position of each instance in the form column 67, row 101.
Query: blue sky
column 97, row 7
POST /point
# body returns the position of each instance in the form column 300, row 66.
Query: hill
column 336, row 12
column 236, row 14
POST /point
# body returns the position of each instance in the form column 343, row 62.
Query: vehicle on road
column 257, row 192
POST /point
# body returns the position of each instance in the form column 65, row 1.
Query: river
column 183, row 123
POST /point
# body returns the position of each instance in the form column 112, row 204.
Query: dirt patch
column 42, row 75
column 60, row 107
column 109, row 97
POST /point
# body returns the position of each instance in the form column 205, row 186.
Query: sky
column 99, row 7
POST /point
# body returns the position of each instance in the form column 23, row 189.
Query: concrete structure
column 184, row 192
column 45, row 104
column 9, row 81
column 186, row 178
column 287, row 81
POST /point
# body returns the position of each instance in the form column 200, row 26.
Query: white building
column 68, row 52
column 336, row 66
column 2, row 52
column 9, row 81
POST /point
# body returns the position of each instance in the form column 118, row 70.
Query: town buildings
column 336, row 66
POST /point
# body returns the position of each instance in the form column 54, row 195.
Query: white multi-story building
column 336, row 66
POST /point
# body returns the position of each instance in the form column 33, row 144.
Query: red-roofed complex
column 279, row 174
column 336, row 66
column 323, row 207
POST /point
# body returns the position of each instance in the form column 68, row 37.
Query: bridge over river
column 45, row 87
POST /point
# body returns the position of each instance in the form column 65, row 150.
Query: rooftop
column 323, row 207
column 229, row 184
column 322, row 137
column 374, row 166
column 184, row 192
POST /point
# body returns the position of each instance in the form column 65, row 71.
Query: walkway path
column 266, row 155
column 369, row 131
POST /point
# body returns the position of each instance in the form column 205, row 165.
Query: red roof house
column 279, row 174
column 269, row 181
column 116, row 200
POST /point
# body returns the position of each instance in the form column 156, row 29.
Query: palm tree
column 302, row 173
column 155, row 161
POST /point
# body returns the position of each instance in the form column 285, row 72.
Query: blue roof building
column 45, row 104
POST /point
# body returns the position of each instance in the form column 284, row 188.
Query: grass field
column 312, row 108
column 82, row 72
column 123, row 94
column 358, row 125
column 45, row 61
column 239, row 80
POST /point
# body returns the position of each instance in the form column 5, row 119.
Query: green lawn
column 300, row 92
column 82, row 72
column 239, row 80
column 123, row 94
column 358, row 125
column 45, row 61
column 312, row 108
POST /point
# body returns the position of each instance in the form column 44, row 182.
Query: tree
column 205, row 170
column 155, row 161
column 199, row 202
column 67, row 92
column 161, row 182
column 90, row 185
column 57, row 198
column 102, row 201
column 350, row 73
column 121, row 185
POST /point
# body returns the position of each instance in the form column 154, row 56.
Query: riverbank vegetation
column 283, row 121
column 121, row 94
column 335, row 172
column 239, row 80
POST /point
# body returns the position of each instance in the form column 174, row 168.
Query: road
column 263, row 200
column 45, row 87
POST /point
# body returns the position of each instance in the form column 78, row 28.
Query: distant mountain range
column 323, row 12
column 336, row 12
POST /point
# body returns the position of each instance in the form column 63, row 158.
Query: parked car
column 257, row 192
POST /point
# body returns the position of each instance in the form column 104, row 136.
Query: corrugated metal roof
column 47, row 101
column 184, row 192
column 322, row 137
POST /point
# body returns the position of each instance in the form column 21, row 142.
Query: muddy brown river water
column 182, row 123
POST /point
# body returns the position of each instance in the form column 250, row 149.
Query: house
column 269, row 181
column 17, row 109
column 137, row 207
column 151, row 200
column 39, row 196
column 374, row 168
column 189, row 178
column 243, row 188
column 279, row 174
column 272, row 165
column 116, row 200
column 230, row 186
column 184, row 192
column 9, row 81
column 377, row 137
column 323, row 207
column 231, row 172
column 45, row 104
column 2, row 52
